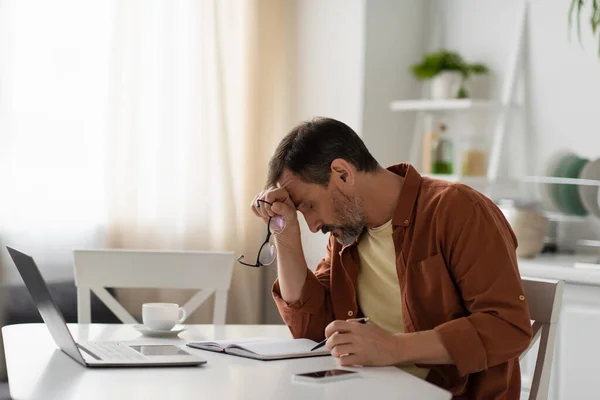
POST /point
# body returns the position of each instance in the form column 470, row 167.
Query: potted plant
column 594, row 17
column 449, row 73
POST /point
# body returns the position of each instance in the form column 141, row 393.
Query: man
column 431, row 263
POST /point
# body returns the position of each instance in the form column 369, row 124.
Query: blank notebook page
column 244, row 342
column 283, row 347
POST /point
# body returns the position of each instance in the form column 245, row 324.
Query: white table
column 37, row 369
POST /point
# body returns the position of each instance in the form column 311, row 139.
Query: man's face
column 332, row 209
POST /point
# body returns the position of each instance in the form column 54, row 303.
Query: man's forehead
column 293, row 185
column 286, row 176
column 288, row 180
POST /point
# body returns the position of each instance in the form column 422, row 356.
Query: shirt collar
column 403, row 215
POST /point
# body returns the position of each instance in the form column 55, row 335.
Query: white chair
column 545, row 299
column 96, row 270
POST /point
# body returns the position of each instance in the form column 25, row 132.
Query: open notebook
column 264, row 348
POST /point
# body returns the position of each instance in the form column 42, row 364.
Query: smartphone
column 330, row 375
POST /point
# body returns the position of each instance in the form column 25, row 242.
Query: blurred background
column 149, row 124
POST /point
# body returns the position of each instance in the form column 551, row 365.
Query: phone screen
column 327, row 373
column 160, row 350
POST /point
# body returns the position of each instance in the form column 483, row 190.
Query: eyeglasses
column 268, row 252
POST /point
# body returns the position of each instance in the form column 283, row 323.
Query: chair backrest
column 544, row 298
column 95, row 270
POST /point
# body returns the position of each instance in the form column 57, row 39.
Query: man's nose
column 312, row 223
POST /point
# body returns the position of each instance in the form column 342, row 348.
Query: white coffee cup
column 162, row 316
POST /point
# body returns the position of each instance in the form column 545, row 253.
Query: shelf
column 562, row 260
column 444, row 105
column 561, row 181
column 562, row 217
column 469, row 180
column 572, row 268
column 525, row 179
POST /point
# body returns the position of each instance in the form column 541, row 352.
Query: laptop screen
column 45, row 304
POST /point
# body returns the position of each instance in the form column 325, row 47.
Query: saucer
column 176, row 330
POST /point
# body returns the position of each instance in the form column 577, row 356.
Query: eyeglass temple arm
column 249, row 265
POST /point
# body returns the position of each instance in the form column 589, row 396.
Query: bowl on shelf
column 528, row 224
column 569, row 199
column 563, row 197
column 548, row 202
column 589, row 195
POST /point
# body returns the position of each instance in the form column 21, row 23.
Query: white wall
column 394, row 38
column 330, row 52
column 329, row 41
column 563, row 78
column 329, row 74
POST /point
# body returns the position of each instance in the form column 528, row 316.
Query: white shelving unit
column 426, row 109
column 502, row 107
column 468, row 180
column 562, row 181
column 445, row 105
column 524, row 179
column 574, row 370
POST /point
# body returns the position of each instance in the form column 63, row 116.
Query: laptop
column 95, row 354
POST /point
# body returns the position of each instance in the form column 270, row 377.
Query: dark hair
column 308, row 150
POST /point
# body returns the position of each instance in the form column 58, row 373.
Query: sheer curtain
column 141, row 124
column 53, row 61
column 53, row 97
column 197, row 100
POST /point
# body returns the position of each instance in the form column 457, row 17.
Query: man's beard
column 351, row 216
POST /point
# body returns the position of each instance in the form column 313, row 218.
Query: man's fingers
column 339, row 326
column 257, row 206
column 262, row 203
column 276, row 195
column 359, row 320
column 342, row 350
column 266, row 209
column 338, row 339
column 283, row 209
column 350, row 360
column 253, row 206
column 274, row 202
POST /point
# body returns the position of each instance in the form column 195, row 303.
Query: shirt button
column 406, row 222
column 350, row 313
column 521, row 297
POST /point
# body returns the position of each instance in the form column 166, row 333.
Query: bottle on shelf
column 426, row 163
column 474, row 158
column 442, row 152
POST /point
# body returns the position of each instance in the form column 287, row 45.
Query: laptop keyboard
column 113, row 351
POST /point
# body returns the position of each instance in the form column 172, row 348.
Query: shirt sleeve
column 480, row 254
column 308, row 316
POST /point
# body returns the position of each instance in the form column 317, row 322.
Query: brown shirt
column 458, row 274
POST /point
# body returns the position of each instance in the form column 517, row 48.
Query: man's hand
column 369, row 345
column 362, row 344
column 280, row 205
column 291, row 264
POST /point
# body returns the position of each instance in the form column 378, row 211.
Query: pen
column 321, row 344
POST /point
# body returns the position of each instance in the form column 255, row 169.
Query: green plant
column 594, row 18
column 442, row 60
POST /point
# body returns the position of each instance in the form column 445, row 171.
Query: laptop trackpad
column 150, row 350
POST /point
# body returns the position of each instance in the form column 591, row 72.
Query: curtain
column 198, row 98
column 53, row 61
column 140, row 124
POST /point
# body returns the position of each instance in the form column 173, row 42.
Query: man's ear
column 342, row 172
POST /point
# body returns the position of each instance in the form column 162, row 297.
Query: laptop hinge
column 88, row 352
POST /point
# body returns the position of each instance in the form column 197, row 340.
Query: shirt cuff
column 310, row 302
column 460, row 338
